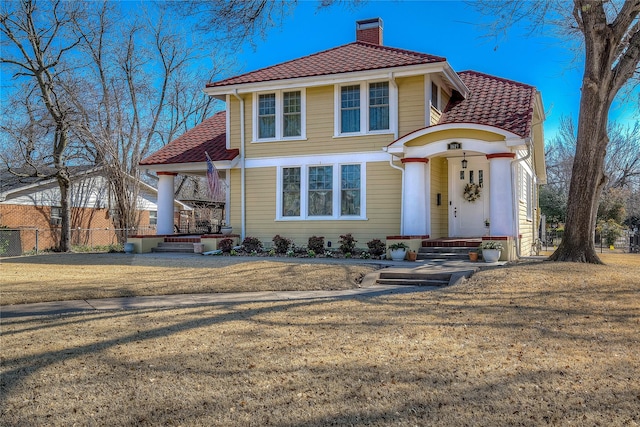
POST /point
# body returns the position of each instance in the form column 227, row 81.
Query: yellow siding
column 439, row 184
column 434, row 116
column 320, row 127
column 526, row 231
column 383, row 209
column 455, row 133
column 411, row 109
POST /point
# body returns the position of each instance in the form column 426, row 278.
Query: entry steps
column 176, row 247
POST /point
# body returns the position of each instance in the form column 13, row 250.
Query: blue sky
column 444, row 28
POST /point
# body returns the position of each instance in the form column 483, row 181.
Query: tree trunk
column 64, row 182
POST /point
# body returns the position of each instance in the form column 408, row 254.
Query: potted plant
column 226, row 229
column 473, row 256
column 491, row 250
column 398, row 251
column 412, row 255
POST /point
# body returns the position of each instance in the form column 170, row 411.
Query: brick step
column 470, row 243
column 447, row 250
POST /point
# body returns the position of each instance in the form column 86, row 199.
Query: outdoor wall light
column 464, row 161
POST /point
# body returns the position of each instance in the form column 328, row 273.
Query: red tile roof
column 356, row 56
column 209, row 136
column 493, row 101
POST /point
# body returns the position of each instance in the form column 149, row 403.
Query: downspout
column 402, row 192
column 516, row 202
column 392, row 79
column 242, row 168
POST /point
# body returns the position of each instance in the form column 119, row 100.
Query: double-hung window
column 350, row 109
column 379, row 106
column 279, row 115
column 321, row 192
column 435, row 96
column 363, row 108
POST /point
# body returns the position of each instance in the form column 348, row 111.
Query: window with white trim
column 279, row 115
column 526, row 191
column 56, row 215
column 320, row 192
column 364, row 108
column 153, row 217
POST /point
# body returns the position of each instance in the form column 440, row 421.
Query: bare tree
column 36, row 44
column 140, row 80
column 609, row 33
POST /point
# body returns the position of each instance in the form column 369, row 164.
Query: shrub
column 610, row 231
column 281, row 244
column 311, row 253
column 347, row 243
column 376, row 247
column 252, row 244
column 225, row 245
column 316, row 244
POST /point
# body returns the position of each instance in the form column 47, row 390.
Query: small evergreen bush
column 316, row 244
column 281, row 244
column 252, row 244
column 376, row 247
column 225, row 245
column 347, row 243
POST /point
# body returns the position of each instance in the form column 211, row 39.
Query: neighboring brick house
column 370, row 140
column 30, row 203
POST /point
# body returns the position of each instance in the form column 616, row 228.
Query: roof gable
column 352, row 57
column 493, row 101
column 209, row 136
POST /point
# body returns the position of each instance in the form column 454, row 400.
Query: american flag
column 216, row 191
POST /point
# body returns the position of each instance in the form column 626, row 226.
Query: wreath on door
column 471, row 192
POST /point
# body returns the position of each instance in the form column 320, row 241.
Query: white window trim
column 336, row 189
column 279, row 116
column 526, row 188
column 364, row 110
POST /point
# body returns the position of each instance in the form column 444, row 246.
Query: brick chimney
column 369, row 30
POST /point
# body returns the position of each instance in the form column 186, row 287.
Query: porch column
column 165, row 202
column 416, row 197
column 501, row 194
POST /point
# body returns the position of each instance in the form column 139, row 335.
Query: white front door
column 466, row 219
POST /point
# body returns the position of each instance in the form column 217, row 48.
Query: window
column 279, row 115
column 526, row 191
column 292, row 113
column 267, row 116
column 365, row 108
column 153, row 217
column 350, row 109
column 379, row 106
column 321, row 191
column 350, row 190
column 435, row 96
column 291, row 192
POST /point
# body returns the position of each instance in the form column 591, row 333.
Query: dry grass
column 58, row 277
column 532, row 344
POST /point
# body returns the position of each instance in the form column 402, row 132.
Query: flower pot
column 397, row 254
column 226, row 229
column 491, row 255
column 412, row 256
column 129, row 248
column 473, row 256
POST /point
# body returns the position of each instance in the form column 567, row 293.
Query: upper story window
column 350, row 109
column 435, row 96
column 279, row 115
column 379, row 106
column 363, row 108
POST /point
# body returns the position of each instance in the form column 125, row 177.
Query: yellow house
column 371, row 140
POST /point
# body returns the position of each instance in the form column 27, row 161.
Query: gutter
column 243, row 207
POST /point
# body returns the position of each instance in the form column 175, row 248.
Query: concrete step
column 413, row 278
column 412, row 282
column 173, row 250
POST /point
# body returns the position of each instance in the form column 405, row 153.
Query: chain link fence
column 31, row 241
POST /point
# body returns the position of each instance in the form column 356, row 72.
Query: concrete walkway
column 369, row 288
